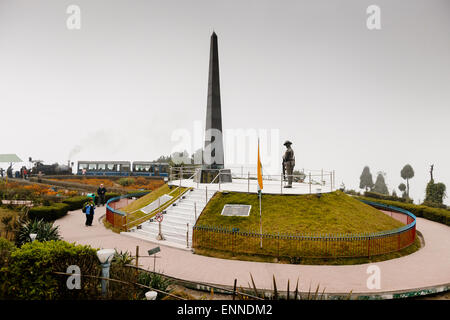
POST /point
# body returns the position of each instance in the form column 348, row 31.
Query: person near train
column 101, row 192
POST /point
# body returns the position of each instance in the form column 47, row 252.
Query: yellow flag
column 260, row 180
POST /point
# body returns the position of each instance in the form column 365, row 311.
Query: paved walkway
column 427, row 267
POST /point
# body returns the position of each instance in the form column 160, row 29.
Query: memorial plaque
column 236, row 210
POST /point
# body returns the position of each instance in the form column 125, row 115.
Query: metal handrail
column 163, row 206
column 160, row 208
column 114, row 199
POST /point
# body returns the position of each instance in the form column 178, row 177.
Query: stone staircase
column 176, row 219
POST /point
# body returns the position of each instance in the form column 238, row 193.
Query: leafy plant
column 124, row 182
column 123, row 258
column 45, row 231
column 6, row 248
column 154, row 280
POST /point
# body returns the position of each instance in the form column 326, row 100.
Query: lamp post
column 33, row 236
column 105, row 256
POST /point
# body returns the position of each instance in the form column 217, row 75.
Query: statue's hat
column 287, row 142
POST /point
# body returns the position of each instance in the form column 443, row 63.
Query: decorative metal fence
column 116, row 217
column 310, row 245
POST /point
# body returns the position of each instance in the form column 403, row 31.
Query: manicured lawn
column 331, row 214
column 286, row 216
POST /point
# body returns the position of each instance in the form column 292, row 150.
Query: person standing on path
column 101, row 192
column 88, row 209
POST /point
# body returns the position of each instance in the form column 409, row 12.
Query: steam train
column 123, row 168
column 51, row 169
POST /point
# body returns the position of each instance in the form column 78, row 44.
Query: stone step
column 169, row 240
column 175, row 231
column 176, row 218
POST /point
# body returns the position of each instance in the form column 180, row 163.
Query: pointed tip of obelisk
column 214, row 33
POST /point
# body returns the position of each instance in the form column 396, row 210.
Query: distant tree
column 365, row 180
column 402, row 188
column 394, row 194
column 197, row 157
column 163, row 159
column 407, row 173
column 380, row 185
column 435, row 192
column 180, row 158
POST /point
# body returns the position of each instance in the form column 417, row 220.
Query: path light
column 33, row 236
column 151, row 295
column 105, row 256
column 319, row 192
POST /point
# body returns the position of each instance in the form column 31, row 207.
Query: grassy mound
column 146, row 200
column 333, row 212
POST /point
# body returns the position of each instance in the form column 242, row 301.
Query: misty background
column 136, row 71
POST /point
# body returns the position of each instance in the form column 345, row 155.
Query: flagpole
column 260, row 217
column 260, row 186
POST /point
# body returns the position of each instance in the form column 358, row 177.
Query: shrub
column 29, row 271
column 49, row 213
column 124, row 182
column 155, row 281
column 377, row 195
column 434, row 214
column 6, row 248
column 76, row 203
column 110, row 195
column 45, row 232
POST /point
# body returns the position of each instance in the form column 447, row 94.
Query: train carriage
column 104, row 168
column 150, row 169
column 123, row 168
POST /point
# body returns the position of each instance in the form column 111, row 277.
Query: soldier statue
column 288, row 163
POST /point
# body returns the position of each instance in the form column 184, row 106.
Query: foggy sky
column 136, row 71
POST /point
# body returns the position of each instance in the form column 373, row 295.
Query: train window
column 82, row 166
column 102, row 166
column 125, row 167
column 111, row 166
column 147, row 168
column 92, row 166
column 152, row 168
column 164, row 168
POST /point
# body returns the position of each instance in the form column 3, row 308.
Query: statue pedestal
column 207, row 175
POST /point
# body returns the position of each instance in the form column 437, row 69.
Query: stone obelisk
column 213, row 153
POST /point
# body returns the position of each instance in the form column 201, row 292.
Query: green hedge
column 110, row 195
column 28, row 273
column 434, row 214
column 381, row 196
column 49, row 213
column 6, row 248
column 76, row 203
